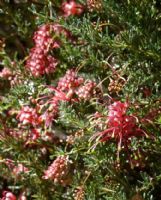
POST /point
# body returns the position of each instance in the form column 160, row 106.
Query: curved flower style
column 121, row 126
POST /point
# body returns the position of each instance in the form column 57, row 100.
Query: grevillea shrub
column 80, row 100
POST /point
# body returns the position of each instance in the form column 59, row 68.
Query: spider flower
column 121, row 126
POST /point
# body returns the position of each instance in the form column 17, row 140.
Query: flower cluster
column 16, row 169
column 72, row 8
column 79, row 193
column 20, row 168
column 48, row 107
column 70, row 88
column 28, row 115
column 40, row 62
column 6, row 73
column 71, row 84
column 58, row 170
column 69, row 80
column 43, row 39
column 13, row 75
column 94, row 5
column 121, row 126
column 85, row 92
column 8, row 196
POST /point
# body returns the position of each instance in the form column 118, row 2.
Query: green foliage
column 121, row 43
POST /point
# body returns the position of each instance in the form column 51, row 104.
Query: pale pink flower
column 8, row 196
column 5, row 73
column 72, row 8
column 57, row 170
column 28, row 115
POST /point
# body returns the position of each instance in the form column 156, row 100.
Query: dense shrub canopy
column 80, row 99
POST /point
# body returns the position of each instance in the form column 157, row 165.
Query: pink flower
column 5, row 73
column 16, row 169
column 8, row 196
column 85, row 92
column 33, row 135
column 20, row 168
column 60, row 30
column 43, row 38
column 10, row 163
column 39, row 63
column 28, row 115
column 116, row 113
column 121, row 126
column 69, row 80
column 72, row 8
column 51, row 64
column 57, row 170
column 22, row 196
